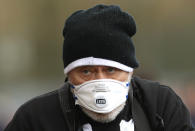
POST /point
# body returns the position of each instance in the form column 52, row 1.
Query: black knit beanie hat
column 99, row 36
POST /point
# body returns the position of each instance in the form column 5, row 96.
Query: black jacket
column 54, row 111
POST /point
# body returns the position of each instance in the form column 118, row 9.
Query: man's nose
column 99, row 75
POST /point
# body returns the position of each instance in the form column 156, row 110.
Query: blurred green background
column 31, row 46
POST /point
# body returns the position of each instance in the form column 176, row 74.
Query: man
column 100, row 93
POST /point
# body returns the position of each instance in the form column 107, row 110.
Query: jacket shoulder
column 153, row 95
column 162, row 105
column 42, row 100
column 151, row 89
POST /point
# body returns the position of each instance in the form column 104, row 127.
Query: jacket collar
column 67, row 105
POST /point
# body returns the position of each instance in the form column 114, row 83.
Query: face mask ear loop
column 72, row 90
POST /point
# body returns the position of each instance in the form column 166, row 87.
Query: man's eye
column 111, row 70
column 86, row 72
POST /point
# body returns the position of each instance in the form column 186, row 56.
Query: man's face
column 82, row 74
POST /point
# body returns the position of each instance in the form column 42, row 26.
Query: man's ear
column 130, row 76
column 67, row 79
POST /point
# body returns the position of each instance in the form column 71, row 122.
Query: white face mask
column 102, row 95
